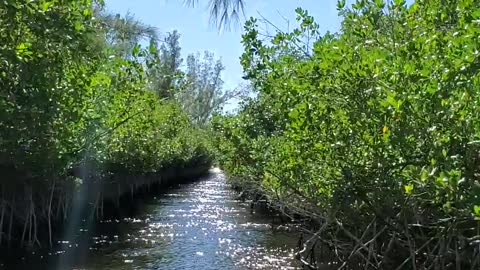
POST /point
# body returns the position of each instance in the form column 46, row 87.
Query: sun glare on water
column 215, row 170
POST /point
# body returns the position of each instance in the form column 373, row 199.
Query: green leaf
column 152, row 49
column 79, row 27
column 46, row 5
column 476, row 210
column 87, row 12
column 424, row 175
column 380, row 3
column 136, row 50
column 23, row 46
column 408, row 188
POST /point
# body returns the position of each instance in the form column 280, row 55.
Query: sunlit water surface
column 194, row 226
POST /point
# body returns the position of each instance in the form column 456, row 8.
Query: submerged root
column 447, row 247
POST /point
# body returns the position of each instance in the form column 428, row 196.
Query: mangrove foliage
column 84, row 106
column 372, row 133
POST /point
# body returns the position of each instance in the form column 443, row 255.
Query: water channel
column 199, row 225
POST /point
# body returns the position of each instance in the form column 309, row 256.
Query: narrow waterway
column 199, row 225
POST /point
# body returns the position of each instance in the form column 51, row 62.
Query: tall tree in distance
column 123, row 33
column 202, row 93
column 164, row 75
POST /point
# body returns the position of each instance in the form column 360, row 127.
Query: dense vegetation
column 372, row 133
column 81, row 102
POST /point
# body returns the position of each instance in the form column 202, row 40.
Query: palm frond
column 223, row 12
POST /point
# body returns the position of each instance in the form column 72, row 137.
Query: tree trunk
column 25, row 226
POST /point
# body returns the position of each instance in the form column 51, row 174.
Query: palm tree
column 223, row 12
column 123, row 32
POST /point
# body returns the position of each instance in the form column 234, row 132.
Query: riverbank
column 33, row 215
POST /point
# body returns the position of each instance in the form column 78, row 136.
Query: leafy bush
column 71, row 106
column 378, row 122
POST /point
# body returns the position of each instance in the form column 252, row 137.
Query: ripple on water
column 195, row 226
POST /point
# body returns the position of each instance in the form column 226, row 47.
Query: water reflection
column 194, row 226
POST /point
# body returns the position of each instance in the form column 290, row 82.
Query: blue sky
column 197, row 34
